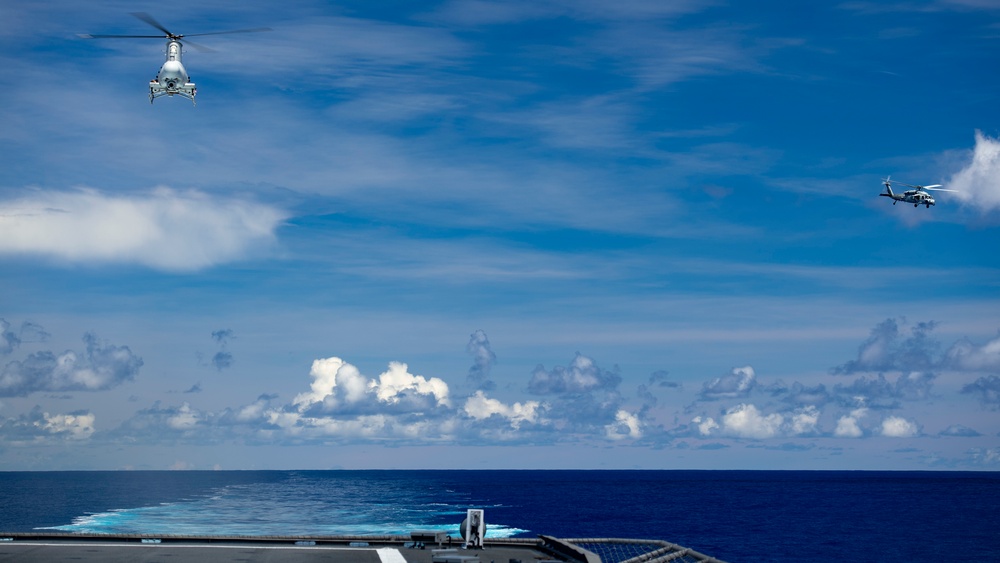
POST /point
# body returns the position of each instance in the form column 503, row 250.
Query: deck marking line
column 390, row 555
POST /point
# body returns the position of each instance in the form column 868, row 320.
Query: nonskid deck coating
column 144, row 548
column 121, row 548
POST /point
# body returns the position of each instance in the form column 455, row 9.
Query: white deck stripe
column 390, row 555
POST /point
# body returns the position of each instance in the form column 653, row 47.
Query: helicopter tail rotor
column 888, row 187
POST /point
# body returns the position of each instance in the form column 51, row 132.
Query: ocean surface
column 738, row 516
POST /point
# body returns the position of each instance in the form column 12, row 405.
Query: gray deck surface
column 30, row 551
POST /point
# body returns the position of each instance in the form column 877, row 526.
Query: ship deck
column 135, row 548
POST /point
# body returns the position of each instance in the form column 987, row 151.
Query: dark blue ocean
column 739, row 516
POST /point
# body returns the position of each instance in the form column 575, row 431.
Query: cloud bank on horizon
column 580, row 403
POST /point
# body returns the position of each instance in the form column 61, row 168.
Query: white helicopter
column 173, row 79
column 917, row 196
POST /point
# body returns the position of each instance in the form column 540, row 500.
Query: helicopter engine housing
column 173, row 78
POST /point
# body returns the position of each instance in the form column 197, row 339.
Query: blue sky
column 475, row 234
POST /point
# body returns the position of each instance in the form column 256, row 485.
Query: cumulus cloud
column 966, row 356
column 159, row 424
column 76, row 426
column 985, row 456
column 481, row 407
column 625, row 426
column 804, row 421
column 257, row 410
column 339, row 387
column 99, row 367
column 164, row 229
column 737, row 384
column 747, row 421
column 899, row 427
column 881, row 393
column 334, row 382
column 978, row 183
column 483, row 361
column 987, row 389
column 960, row 431
column 583, row 397
column 396, row 383
column 849, row 426
column 37, row 425
column 581, row 376
column 705, row 426
column 887, row 350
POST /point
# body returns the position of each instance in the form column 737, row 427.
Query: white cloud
column 985, row 456
column 978, row 184
column 298, row 426
column 898, row 427
column 481, row 407
column 99, row 367
column 185, row 419
column 626, row 425
column 745, row 421
column 739, row 383
column 849, row 426
column 396, row 381
column 965, row 355
column 337, row 383
column 253, row 411
column 164, row 229
column 706, row 425
column 76, row 426
column 805, row 420
column 333, row 378
column 582, row 376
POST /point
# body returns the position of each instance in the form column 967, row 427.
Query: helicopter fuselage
column 916, row 197
column 173, row 79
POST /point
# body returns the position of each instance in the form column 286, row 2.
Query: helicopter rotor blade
column 92, row 36
column 149, row 19
column 199, row 47
column 937, row 188
column 252, row 30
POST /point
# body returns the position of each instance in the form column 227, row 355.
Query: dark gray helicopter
column 917, row 196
